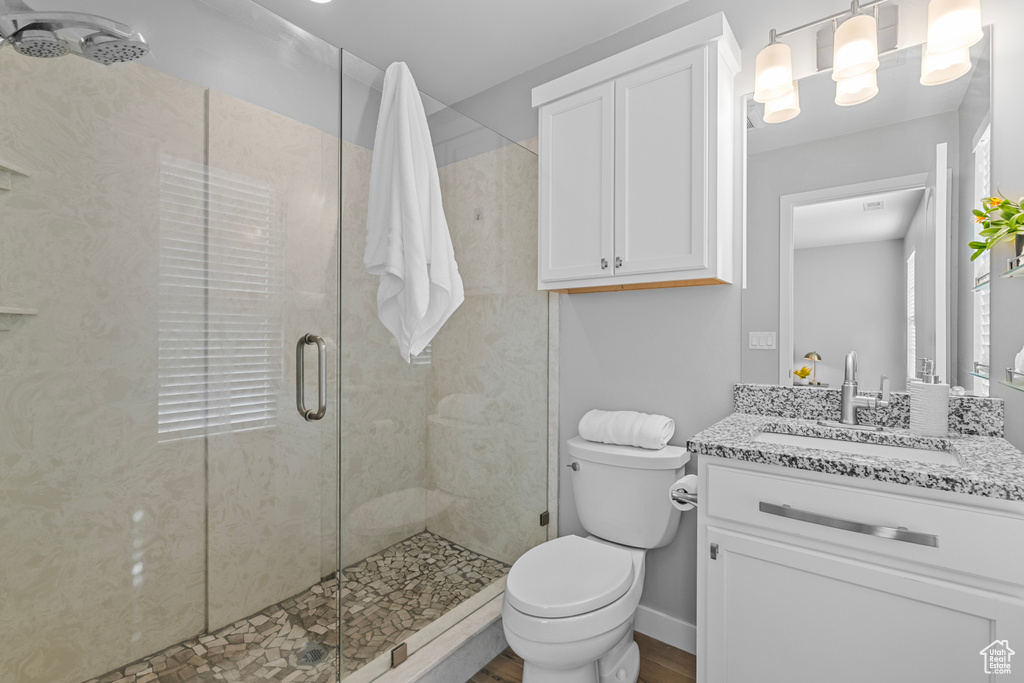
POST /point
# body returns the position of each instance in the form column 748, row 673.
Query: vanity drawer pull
column 896, row 534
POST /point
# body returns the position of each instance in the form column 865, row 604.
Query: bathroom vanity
column 830, row 554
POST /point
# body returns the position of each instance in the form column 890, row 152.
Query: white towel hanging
column 407, row 240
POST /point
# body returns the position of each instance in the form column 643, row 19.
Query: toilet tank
column 622, row 493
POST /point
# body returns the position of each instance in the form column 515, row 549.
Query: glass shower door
column 165, row 511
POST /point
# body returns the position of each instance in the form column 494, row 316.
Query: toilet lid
column 568, row 576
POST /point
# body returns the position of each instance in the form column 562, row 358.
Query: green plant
column 1008, row 221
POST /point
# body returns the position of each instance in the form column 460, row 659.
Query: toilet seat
column 569, row 576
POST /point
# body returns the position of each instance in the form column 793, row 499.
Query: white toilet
column 569, row 603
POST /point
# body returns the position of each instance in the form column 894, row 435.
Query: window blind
column 221, row 282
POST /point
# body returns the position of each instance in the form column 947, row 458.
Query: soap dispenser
column 929, row 403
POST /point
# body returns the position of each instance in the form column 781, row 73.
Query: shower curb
column 459, row 652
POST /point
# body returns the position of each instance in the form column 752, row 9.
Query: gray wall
column 828, row 320
column 667, row 351
column 890, row 152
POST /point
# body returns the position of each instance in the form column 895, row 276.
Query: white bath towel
column 627, row 428
column 407, row 240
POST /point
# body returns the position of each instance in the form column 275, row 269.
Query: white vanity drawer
column 980, row 542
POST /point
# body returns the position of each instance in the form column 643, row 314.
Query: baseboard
column 671, row 630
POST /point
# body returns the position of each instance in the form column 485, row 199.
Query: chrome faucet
column 852, row 400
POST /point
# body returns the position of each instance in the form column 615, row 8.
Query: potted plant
column 1000, row 219
column 801, row 375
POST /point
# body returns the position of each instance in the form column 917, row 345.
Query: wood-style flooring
column 659, row 663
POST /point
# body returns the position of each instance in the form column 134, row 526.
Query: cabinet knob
column 618, row 261
column 604, row 263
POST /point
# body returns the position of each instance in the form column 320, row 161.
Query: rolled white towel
column 627, row 428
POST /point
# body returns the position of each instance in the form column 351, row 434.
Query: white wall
column 849, row 297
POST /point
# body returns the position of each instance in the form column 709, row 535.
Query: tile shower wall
column 102, row 527
column 383, row 400
column 456, row 446
column 487, row 398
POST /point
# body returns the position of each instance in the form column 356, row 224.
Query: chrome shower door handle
column 300, row 377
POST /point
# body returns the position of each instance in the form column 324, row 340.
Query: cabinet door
column 776, row 612
column 576, row 194
column 660, row 166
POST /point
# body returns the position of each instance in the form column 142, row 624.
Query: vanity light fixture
column 856, row 55
column 773, row 71
column 945, row 66
column 953, row 25
column 857, row 89
column 856, row 47
column 783, row 108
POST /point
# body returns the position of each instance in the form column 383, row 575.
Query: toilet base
column 538, row 674
column 621, row 664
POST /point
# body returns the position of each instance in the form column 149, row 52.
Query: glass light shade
column 856, row 47
column 953, row 25
column 944, row 67
column 783, row 108
column 856, row 90
column 773, row 72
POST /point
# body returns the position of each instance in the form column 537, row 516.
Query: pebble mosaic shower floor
column 384, row 599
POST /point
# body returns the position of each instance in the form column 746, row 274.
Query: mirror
column 857, row 223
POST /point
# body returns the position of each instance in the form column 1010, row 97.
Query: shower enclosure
column 176, row 232
column 444, row 460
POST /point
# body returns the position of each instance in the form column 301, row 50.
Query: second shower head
column 38, row 34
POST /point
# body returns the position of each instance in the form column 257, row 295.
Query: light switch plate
column 762, row 341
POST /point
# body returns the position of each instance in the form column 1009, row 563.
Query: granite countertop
column 988, row 465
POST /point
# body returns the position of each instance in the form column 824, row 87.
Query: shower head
column 40, row 42
column 35, row 34
column 107, row 49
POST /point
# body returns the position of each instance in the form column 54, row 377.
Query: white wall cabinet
column 636, row 159
column 791, row 600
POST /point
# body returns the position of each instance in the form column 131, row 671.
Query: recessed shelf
column 9, row 313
